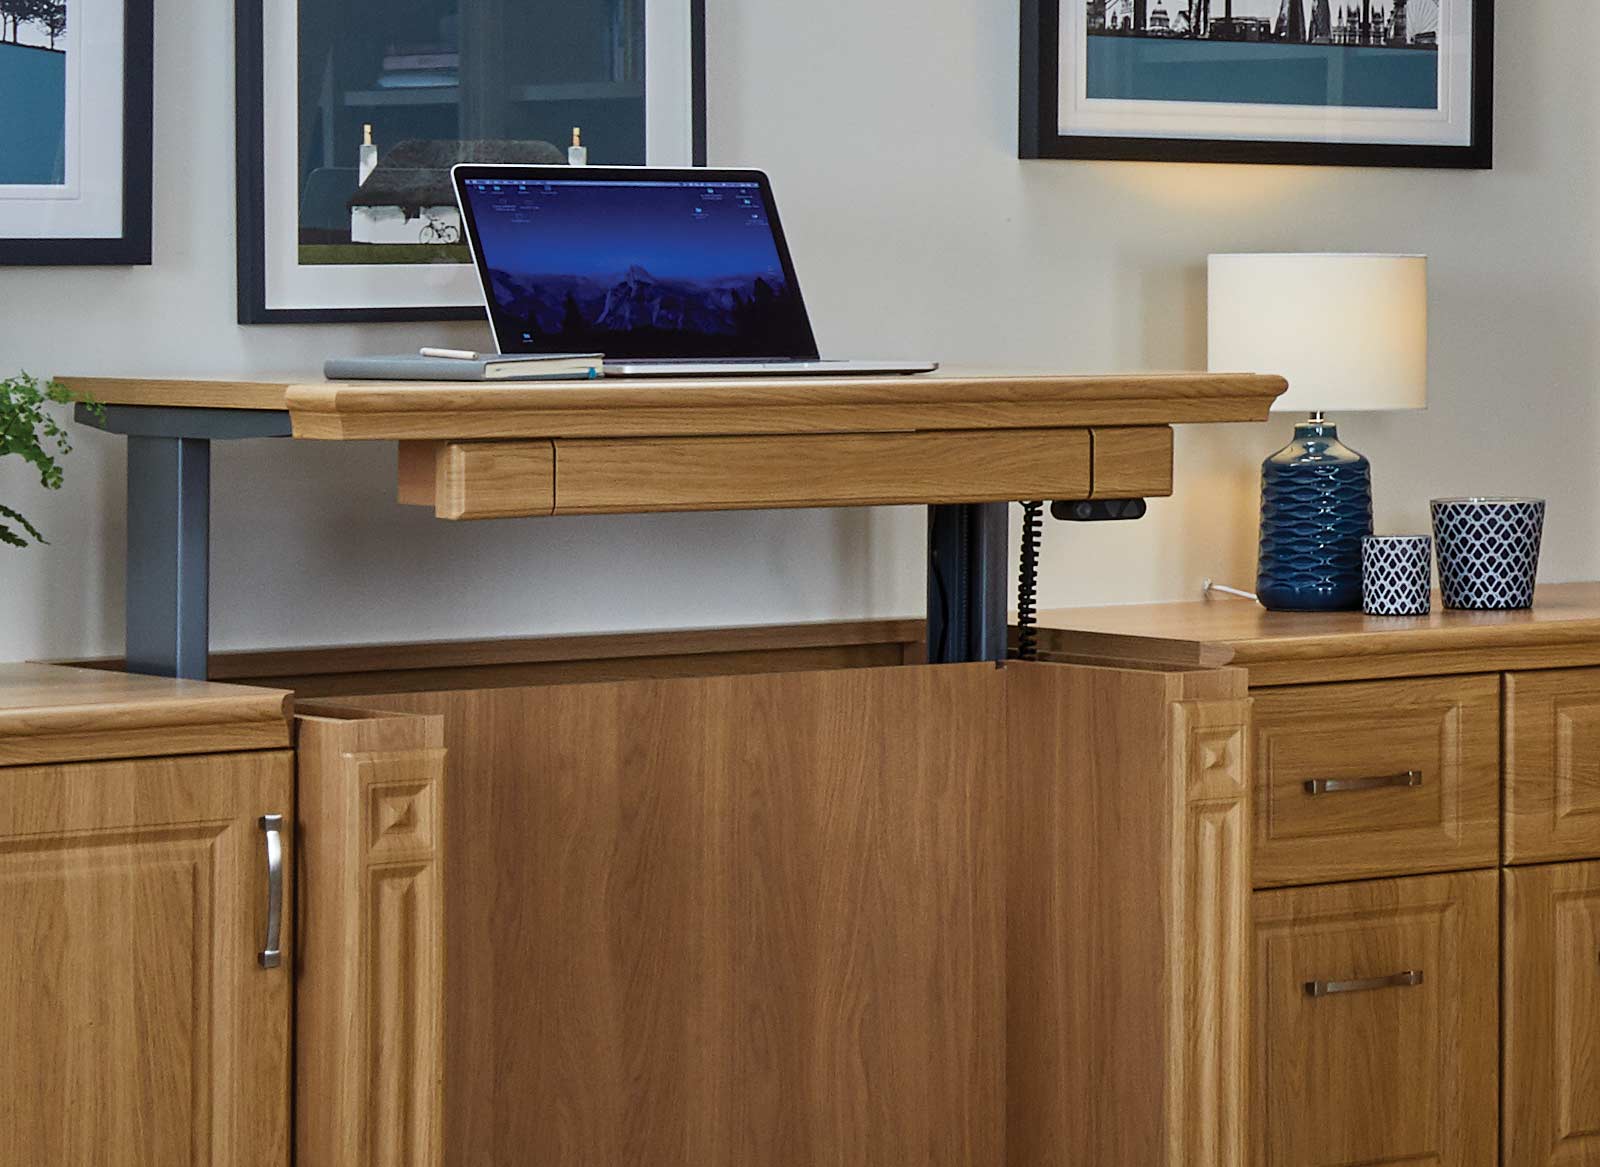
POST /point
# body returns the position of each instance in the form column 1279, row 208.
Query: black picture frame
column 250, row 145
column 132, row 247
column 1039, row 121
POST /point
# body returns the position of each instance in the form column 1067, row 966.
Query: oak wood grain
column 1445, row 730
column 52, row 713
column 422, row 666
column 950, row 399
column 1389, row 1075
column 187, row 392
column 1552, row 766
column 1277, row 648
column 1127, row 917
column 751, row 921
column 479, row 480
column 608, row 477
column 369, row 1020
column 137, row 1027
column 1209, row 934
column 1551, row 1025
column 1132, row 462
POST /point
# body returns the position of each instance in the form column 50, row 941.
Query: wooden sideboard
column 738, row 898
column 140, row 1025
column 1426, row 855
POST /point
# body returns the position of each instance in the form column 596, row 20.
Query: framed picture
column 76, row 78
column 351, row 113
column 1309, row 82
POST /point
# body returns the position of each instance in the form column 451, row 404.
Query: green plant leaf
column 7, row 535
column 32, row 433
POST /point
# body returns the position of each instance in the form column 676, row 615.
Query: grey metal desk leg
column 169, row 556
column 967, row 582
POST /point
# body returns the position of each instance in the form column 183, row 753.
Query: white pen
column 449, row 354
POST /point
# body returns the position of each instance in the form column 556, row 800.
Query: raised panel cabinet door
column 369, row 1007
column 1127, row 872
column 1552, row 766
column 1375, row 1012
column 1551, row 1044
column 138, row 1023
column 1380, row 778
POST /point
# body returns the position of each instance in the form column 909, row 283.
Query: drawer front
column 1383, row 778
column 1552, row 766
column 600, row 476
column 1375, row 1011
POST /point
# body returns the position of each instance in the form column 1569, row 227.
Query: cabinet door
column 137, row 1022
column 1552, row 766
column 1375, row 1015
column 1552, row 1016
column 721, row 922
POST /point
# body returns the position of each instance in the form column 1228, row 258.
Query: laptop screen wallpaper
column 636, row 270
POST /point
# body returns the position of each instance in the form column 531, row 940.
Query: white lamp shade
column 1350, row 332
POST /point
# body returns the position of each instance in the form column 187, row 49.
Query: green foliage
column 29, row 430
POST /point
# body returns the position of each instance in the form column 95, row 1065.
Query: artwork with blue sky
column 33, row 92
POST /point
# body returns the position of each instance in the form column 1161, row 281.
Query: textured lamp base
column 1316, row 507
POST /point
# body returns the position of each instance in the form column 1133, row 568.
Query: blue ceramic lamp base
column 1316, row 507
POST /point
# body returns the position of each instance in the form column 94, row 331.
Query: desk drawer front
column 1376, row 1027
column 1385, row 778
column 1552, row 766
column 674, row 474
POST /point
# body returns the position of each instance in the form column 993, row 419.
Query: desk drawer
column 811, row 470
column 1376, row 1023
column 576, row 476
column 1381, row 778
column 1552, row 766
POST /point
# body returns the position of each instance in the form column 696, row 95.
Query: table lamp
column 1350, row 332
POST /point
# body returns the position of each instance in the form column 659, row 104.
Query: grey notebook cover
column 412, row 367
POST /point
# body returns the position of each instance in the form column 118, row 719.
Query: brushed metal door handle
column 1411, row 778
column 272, row 829
column 1400, row 980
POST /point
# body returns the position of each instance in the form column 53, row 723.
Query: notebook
column 486, row 367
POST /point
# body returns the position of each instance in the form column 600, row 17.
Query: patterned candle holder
column 1488, row 550
column 1397, row 575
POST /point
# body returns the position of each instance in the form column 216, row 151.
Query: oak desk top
column 1562, row 629
column 50, row 713
column 947, row 400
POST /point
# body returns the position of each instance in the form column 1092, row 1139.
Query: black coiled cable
column 1028, row 581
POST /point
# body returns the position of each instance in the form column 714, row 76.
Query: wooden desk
column 962, row 444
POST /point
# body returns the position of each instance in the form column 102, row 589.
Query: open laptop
column 666, row 272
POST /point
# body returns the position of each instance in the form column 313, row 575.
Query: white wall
column 890, row 133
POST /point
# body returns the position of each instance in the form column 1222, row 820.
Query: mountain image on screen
column 636, row 312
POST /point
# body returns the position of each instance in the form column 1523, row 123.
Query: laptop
column 666, row 272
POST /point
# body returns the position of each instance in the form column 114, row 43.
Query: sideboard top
column 51, row 713
column 1561, row 630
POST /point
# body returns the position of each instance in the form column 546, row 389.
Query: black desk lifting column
column 967, row 582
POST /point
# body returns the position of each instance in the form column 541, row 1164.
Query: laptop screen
column 634, row 265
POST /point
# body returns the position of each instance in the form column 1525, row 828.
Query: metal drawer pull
column 1400, row 980
column 272, row 827
column 1344, row 785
